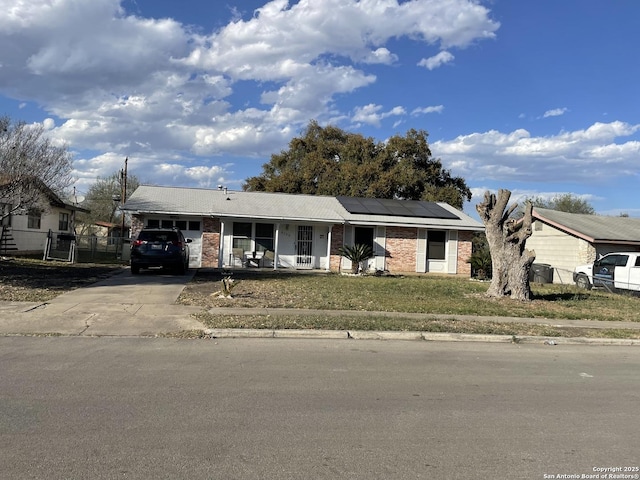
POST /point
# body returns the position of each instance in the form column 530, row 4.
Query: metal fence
column 90, row 248
column 60, row 246
column 65, row 247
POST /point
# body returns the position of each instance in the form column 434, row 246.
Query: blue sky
column 536, row 96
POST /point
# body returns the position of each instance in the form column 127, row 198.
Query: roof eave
column 564, row 228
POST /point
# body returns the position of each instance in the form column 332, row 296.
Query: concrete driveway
column 121, row 305
column 148, row 287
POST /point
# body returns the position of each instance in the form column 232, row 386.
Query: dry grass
column 32, row 280
column 404, row 324
column 25, row 280
column 409, row 294
column 440, row 296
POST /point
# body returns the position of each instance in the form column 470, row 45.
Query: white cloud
column 591, row 155
column 371, row 114
column 123, row 83
column 381, row 55
column 436, row 61
column 556, row 112
column 425, row 110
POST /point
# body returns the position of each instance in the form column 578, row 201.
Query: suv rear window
column 148, row 236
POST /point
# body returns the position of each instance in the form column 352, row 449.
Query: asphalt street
column 155, row 408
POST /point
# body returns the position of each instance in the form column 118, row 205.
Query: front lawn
column 31, row 280
column 410, row 294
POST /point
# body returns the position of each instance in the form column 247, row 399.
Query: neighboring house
column 276, row 230
column 26, row 232
column 566, row 240
column 101, row 229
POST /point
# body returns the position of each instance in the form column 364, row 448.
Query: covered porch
column 260, row 243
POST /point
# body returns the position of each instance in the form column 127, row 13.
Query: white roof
column 274, row 206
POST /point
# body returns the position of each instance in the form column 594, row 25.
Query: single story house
column 232, row 229
column 101, row 229
column 565, row 240
column 27, row 232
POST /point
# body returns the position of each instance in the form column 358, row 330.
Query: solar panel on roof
column 397, row 208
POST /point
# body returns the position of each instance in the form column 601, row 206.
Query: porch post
column 275, row 247
column 221, row 246
column 329, row 248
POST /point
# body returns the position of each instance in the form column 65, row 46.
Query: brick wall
column 464, row 252
column 401, row 249
column 210, row 242
column 337, row 240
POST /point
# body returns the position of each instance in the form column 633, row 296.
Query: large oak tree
column 329, row 161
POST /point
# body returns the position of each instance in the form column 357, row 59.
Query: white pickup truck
column 613, row 271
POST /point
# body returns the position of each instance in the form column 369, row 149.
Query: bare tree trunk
column 507, row 238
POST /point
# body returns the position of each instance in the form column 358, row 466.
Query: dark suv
column 160, row 247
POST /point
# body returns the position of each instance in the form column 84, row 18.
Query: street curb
column 412, row 336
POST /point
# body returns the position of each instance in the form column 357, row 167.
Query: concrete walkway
column 144, row 305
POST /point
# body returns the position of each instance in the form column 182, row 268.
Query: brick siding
column 210, row 242
column 464, row 252
column 401, row 249
column 337, row 240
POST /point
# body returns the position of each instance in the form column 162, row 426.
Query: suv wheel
column 135, row 269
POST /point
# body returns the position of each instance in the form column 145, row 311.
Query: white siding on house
column 421, row 251
column 380, row 250
column 452, row 252
column 320, row 239
column 34, row 239
column 558, row 249
column 348, row 240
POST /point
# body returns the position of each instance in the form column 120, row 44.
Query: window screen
column 242, row 235
column 436, row 241
column 363, row 236
column 264, row 237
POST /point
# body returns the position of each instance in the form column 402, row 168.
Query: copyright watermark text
column 629, row 472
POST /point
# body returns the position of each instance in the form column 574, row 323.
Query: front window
column 242, row 235
column 363, row 236
column 264, row 237
column 63, row 222
column 436, row 243
column 169, row 223
column 34, row 218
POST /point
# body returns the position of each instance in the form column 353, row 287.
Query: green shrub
column 357, row 254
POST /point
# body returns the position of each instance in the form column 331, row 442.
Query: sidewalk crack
column 41, row 305
column 87, row 325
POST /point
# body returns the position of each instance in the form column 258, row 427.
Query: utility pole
column 123, row 183
column 123, row 198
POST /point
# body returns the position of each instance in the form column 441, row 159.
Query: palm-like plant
column 357, row 254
